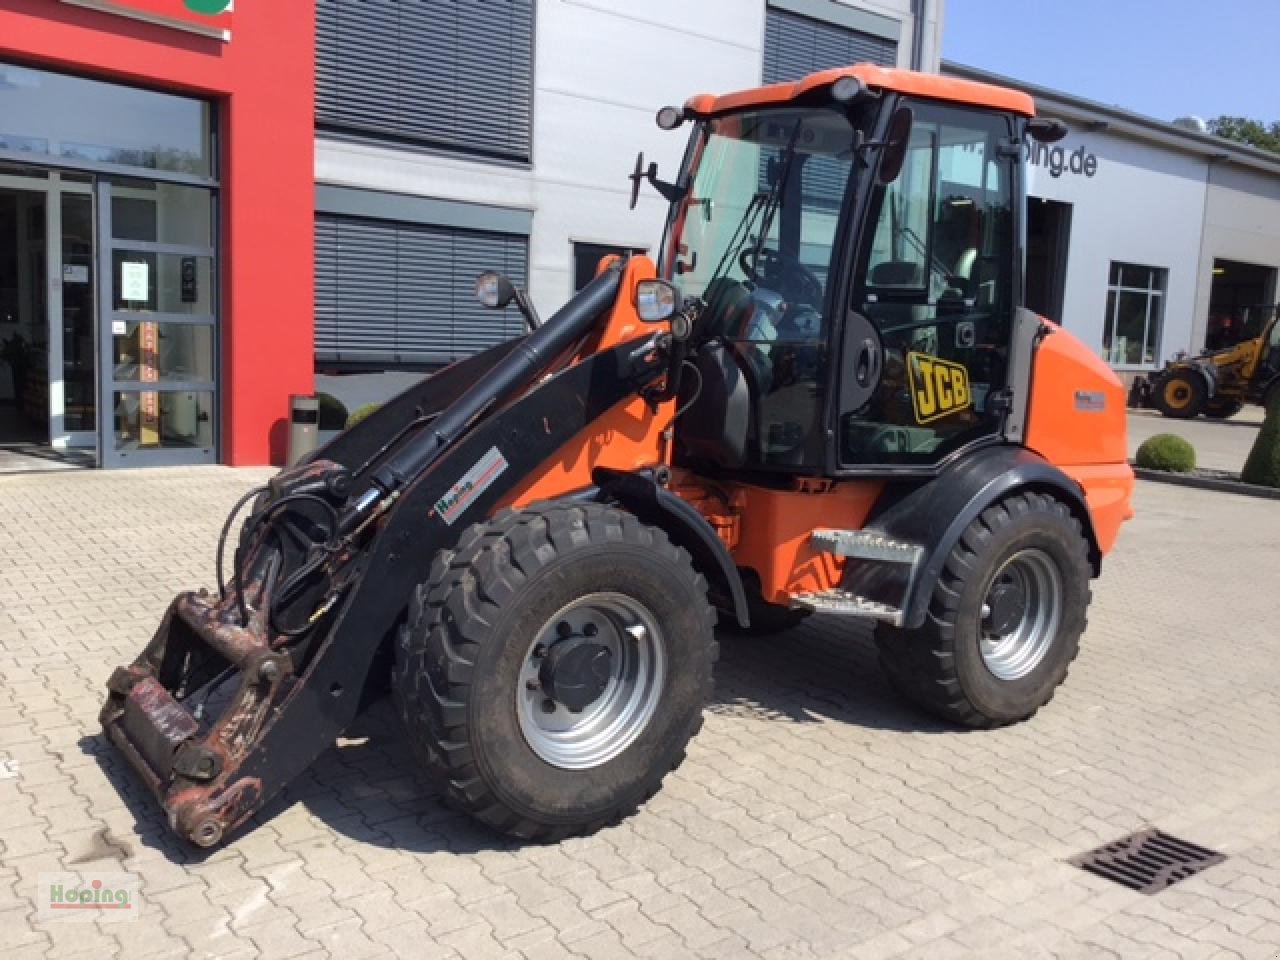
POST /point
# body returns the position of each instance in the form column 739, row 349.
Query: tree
column 1263, row 465
column 1246, row 131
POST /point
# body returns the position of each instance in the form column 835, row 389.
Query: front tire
column 554, row 667
column 1181, row 395
column 1004, row 621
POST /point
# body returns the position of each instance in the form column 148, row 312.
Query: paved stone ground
column 816, row 816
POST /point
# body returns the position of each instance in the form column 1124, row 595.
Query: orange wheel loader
column 824, row 397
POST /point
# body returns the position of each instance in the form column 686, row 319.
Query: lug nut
column 590, row 630
column 564, row 629
column 548, row 706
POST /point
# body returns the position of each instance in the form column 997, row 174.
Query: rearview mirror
column 655, row 300
column 1045, row 130
column 493, row 290
column 896, row 142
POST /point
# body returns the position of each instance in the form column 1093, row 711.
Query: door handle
column 867, row 367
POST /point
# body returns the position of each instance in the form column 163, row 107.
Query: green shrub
column 1263, row 465
column 333, row 413
column 1165, row 451
column 359, row 413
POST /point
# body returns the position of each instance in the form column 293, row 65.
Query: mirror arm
column 525, row 305
column 671, row 192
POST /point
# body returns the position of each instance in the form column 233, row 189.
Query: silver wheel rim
column 1019, row 648
column 612, row 722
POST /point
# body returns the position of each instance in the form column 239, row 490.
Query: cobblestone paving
column 816, row 816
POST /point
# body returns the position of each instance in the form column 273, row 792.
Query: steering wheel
column 784, row 273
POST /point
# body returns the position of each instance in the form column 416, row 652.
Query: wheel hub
column 1008, row 604
column 1021, row 614
column 576, row 671
column 591, row 680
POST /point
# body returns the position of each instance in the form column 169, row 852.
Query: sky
column 1163, row 58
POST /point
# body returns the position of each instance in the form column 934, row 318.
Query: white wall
column 1143, row 205
column 1242, row 222
column 602, row 70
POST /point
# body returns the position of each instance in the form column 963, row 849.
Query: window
column 1135, row 313
column 586, row 258
column 796, row 46
column 938, row 291
column 454, row 76
column 84, row 121
column 394, row 295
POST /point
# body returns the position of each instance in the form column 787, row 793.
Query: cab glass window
column 937, row 286
column 754, row 239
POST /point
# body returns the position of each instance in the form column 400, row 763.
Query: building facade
column 506, row 142
column 206, row 203
column 1147, row 239
column 155, row 227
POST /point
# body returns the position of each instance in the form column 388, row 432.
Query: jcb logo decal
column 938, row 387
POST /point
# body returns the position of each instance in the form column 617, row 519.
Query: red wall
column 263, row 81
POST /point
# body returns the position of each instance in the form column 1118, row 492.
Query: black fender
column 936, row 513
column 654, row 504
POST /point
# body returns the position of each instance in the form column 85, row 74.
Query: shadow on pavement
column 365, row 788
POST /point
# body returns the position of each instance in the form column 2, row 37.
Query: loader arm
column 212, row 768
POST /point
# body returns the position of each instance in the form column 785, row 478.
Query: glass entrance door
column 73, row 390
column 47, row 308
column 157, row 342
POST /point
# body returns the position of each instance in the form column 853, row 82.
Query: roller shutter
column 394, row 294
column 453, row 74
column 795, row 46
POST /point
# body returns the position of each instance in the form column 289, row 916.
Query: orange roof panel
column 928, row 85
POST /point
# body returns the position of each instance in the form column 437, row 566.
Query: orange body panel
column 876, row 78
column 1077, row 421
column 629, row 436
column 774, row 529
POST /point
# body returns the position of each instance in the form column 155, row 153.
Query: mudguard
column 936, row 513
column 686, row 528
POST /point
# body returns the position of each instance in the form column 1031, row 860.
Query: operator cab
column 855, row 266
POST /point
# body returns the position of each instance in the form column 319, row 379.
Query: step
column 845, row 604
column 866, row 545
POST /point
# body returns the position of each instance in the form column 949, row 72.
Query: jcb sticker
column 939, row 388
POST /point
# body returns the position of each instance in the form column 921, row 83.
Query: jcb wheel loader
column 822, row 397
column 1220, row 382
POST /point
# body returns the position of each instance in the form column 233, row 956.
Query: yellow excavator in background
column 1218, row 383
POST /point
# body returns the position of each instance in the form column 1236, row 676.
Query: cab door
column 933, row 296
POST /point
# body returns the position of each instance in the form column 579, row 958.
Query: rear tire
column 472, row 696
column 1220, row 409
column 1004, row 620
column 1180, row 395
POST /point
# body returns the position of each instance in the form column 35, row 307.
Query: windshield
column 754, row 238
column 763, row 204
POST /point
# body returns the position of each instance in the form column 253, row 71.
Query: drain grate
column 1148, row 862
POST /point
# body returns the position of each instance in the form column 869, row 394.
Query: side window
column 937, row 284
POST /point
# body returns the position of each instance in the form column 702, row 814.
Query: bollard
column 304, row 424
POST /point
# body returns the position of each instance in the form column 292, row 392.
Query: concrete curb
column 1207, row 483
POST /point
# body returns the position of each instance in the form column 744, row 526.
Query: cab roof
column 928, row 85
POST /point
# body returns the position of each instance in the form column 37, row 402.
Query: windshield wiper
column 774, row 199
